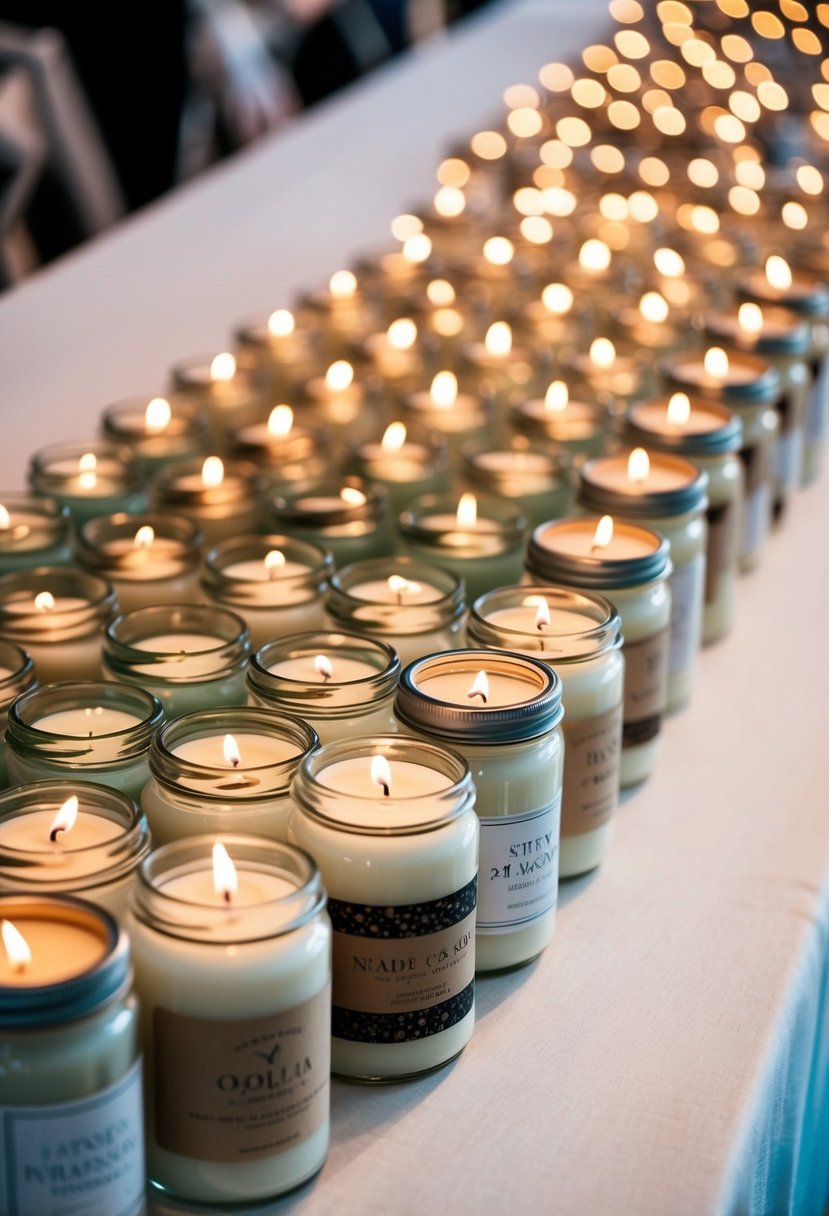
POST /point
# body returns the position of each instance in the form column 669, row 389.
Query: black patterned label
column 402, row 972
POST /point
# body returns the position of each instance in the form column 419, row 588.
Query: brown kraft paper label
column 723, row 537
column 245, row 1089
column 592, row 750
column 646, row 687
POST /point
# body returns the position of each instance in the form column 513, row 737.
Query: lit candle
column 232, row 958
column 629, row 564
column 286, row 352
column 33, row 532
column 148, row 559
column 607, row 369
column 70, row 1042
column 502, row 712
column 91, row 479
column 405, row 910
column 56, row 615
column 533, row 478
column 498, row 365
column 223, row 386
column 396, row 355
column 280, row 446
column 17, row 675
column 158, row 430
column 555, row 317
column 349, row 516
column 446, row 409
column 406, row 461
column 648, row 323
column 340, row 310
column 222, row 498
column 337, row 398
column 579, row 423
column 224, row 770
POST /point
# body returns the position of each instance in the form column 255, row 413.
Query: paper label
column 687, row 591
column 592, row 752
column 646, row 687
column 403, row 972
column 245, row 1089
column 818, row 405
column 82, row 1158
column 518, row 868
column 721, row 547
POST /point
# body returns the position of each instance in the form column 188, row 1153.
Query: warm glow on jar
column 223, row 367
column 157, row 415
column 402, row 334
column 557, row 298
column 280, row 421
column 212, row 472
column 281, row 323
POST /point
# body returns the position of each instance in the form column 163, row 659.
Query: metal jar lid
column 762, row 389
column 649, row 504
column 807, row 295
column 476, row 723
column 32, row 1005
column 784, row 332
column 598, row 573
column 727, row 437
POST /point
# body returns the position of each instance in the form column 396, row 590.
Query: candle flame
column 16, row 946
column 339, row 376
column 280, row 421
column 88, row 471
column 274, row 560
column 542, row 610
column 402, row 334
column 679, row 409
column 750, row 318
column 400, row 586
column 594, row 256
column 654, row 307
column 440, row 293
column 281, row 323
column 479, row 687
column 65, row 819
column 352, row 496
column 557, row 397
column 602, row 353
column 381, row 774
column 230, row 751
column 444, row 390
column 225, row 878
column 44, row 601
column 342, row 284
column 498, row 251
column 639, row 465
column 498, row 340
column 144, row 537
column 157, row 415
column 223, row 367
column 5, row 518
column 394, row 437
column 557, row 298
column 669, row 262
column 716, row 363
column 417, row 248
column 467, row 512
column 604, row 532
column 323, row 666
column 212, row 472
column 778, row 272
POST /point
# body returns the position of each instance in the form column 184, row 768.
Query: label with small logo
column 646, row 687
column 592, row 750
column 404, row 971
column 518, row 868
column 720, row 551
column 244, row 1089
column 687, row 590
column 76, row 1157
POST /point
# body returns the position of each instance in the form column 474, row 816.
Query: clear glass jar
column 573, row 416
column 201, row 783
column 17, row 675
column 285, row 352
column 511, row 739
column 672, row 500
column 187, row 655
column 413, row 606
column 580, row 636
column 711, row 436
column 632, row 570
column 399, row 861
column 222, row 498
column 70, row 1070
column 406, row 460
column 283, row 450
column 57, row 615
column 223, row 386
column 93, row 730
column 148, row 559
column 452, row 407
column 339, row 683
column 533, row 477
column 95, row 478
column 235, row 991
column 94, row 858
column 277, row 584
column 157, row 430
column 346, row 515
column 33, row 532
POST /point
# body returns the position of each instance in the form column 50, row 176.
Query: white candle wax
column 378, row 591
column 576, row 538
column 408, row 780
column 344, row 670
column 522, row 618
column 692, row 371
column 465, row 532
column 254, row 751
column 90, row 720
column 194, row 483
column 62, row 603
column 258, row 572
column 321, row 504
column 160, row 559
column 183, row 649
column 465, row 413
column 60, row 950
column 652, row 416
column 30, row 832
column 453, row 688
column 254, row 889
column 611, row 472
column 406, row 464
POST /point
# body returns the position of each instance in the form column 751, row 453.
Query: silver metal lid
column 598, row 573
column 720, row 439
column 646, row 504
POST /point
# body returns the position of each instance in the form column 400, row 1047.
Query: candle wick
column 19, row 968
column 385, row 789
column 477, row 693
column 235, row 761
column 53, row 835
column 325, row 676
column 227, row 897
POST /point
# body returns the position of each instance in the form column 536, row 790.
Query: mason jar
column 17, row 675
column 347, row 516
column 148, row 559
column 95, row 478
column 34, row 531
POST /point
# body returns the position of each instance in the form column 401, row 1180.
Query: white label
column 756, row 515
column 788, row 458
column 518, row 869
column 687, row 594
column 83, row 1158
column 818, row 403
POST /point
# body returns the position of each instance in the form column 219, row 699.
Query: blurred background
column 106, row 107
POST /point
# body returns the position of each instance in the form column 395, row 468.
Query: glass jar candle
column 148, row 559
column 283, row 449
column 223, row 386
column 710, row 435
column 389, row 821
column 88, row 479
column 500, row 369
column 406, row 460
column 340, row 311
column 506, row 724
column 34, row 531
column 71, row 1076
column 555, row 318
column 275, row 583
column 232, row 955
column 750, row 386
column 71, row 838
column 285, row 352
column 88, row 729
column 533, row 477
column 17, row 675
column 650, row 323
column 572, row 416
column 221, row 498
column 580, row 636
column 57, row 615
column 478, row 537
column 189, row 656
column 157, row 430
column 346, row 515
column 338, row 400
column 454, row 410
column 630, row 565
column 783, row 339
column 609, row 370
column 413, row 606
column 395, row 357
column 224, row 770
column 670, row 495
column 339, row 683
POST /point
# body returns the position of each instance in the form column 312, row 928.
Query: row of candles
column 321, row 667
